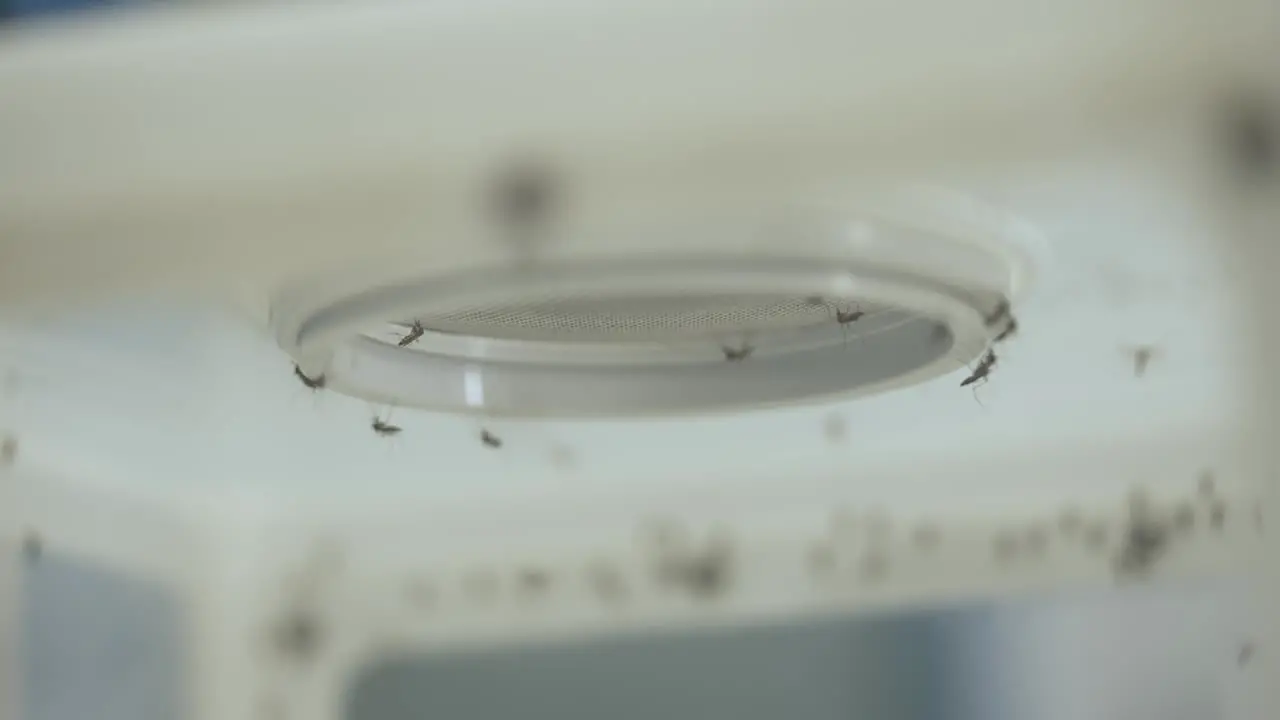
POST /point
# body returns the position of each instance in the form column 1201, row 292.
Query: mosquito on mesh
column 845, row 318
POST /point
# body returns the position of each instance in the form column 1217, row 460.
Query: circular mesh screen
column 648, row 319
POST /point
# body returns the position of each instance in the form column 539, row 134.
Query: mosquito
column 415, row 331
column 490, row 440
column 845, row 318
column 985, row 366
column 384, row 428
column 312, row 383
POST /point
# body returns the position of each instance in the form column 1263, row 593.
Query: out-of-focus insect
column 985, row 366
column 525, row 193
column 490, row 440
column 8, row 450
column 704, row 573
column 384, row 428
column 32, row 546
column 737, row 354
column 534, row 580
column 415, row 331
column 1141, row 359
column 312, row 383
column 1146, row 540
column 1218, row 515
column 998, row 314
column 1245, row 654
column 1009, row 331
column 298, row 635
column 844, row 317
column 1002, row 313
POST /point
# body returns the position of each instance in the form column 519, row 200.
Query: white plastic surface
column 252, row 165
column 220, row 432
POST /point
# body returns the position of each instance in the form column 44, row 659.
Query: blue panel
column 835, row 670
column 28, row 8
column 98, row 645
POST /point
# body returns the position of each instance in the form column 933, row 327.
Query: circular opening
column 639, row 337
column 671, row 319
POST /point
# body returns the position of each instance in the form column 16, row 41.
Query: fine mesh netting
column 647, row 319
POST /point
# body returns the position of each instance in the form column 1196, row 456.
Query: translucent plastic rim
column 938, row 326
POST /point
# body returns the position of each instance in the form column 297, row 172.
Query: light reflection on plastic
column 473, row 386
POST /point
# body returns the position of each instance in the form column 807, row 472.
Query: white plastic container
column 281, row 547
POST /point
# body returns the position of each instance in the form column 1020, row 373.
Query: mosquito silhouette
column 415, row 331
column 979, row 375
column 737, row 354
column 312, row 383
column 384, row 428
